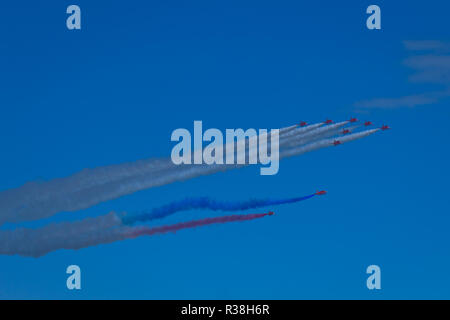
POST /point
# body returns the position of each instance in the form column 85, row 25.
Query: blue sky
column 114, row 91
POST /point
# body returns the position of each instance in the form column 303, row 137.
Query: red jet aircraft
column 320, row 193
column 353, row 120
column 345, row 131
column 303, row 123
column 328, row 121
column 368, row 123
column 336, row 142
column 385, row 127
column 270, row 213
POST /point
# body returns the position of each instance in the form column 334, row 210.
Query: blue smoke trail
column 206, row 203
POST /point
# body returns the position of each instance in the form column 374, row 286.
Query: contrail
column 188, row 172
column 288, row 129
column 195, row 171
column 325, row 143
column 358, row 135
column 37, row 200
column 207, row 203
column 302, row 130
column 302, row 149
column 37, row 242
column 74, row 234
column 140, row 231
column 316, row 134
column 89, row 187
column 109, row 228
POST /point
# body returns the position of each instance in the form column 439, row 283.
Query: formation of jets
column 337, row 142
column 345, row 131
column 329, row 121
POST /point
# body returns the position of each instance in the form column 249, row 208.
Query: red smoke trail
column 38, row 242
column 145, row 231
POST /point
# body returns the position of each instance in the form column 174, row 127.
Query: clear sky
column 114, row 91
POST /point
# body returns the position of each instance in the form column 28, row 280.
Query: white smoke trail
column 288, row 129
column 108, row 228
column 194, row 171
column 36, row 200
column 302, row 130
column 64, row 235
column 325, row 143
column 82, row 190
column 12, row 244
column 358, row 135
column 316, row 134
